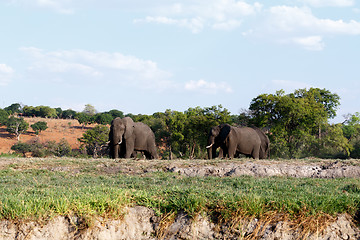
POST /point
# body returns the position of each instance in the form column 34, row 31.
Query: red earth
column 58, row 129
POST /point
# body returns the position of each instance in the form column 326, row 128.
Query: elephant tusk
column 119, row 142
column 210, row 145
column 107, row 142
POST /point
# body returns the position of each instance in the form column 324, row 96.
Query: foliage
column 94, row 140
column 116, row 113
column 68, row 114
column 21, row 147
column 89, row 110
column 103, row 118
column 84, row 118
column 60, row 149
column 48, row 148
column 16, row 126
column 351, row 130
column 39, row 126
column 293, row 119
column 40, row 111
column 14, row 108
column 3, row 116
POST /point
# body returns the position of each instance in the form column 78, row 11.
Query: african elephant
column 235, row 140
column 127, row 136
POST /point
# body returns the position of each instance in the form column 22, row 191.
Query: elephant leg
column 221, row 154
column 231, row 151
column 256, row 152
column 129, row 149
column 153, row 153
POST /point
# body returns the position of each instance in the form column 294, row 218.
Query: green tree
column 332, row 144
column 59, row 112
column 68, row 114
column 89, row 110
column 116, row 113
column 29, row 111
column 14, row 108
column 351, row 130
column 173, row 134
column 294, row 119
column 103, row 118
column 93, row 140
column 3, row 116
column 16, row 126
column 84, row 119
column 39, row 126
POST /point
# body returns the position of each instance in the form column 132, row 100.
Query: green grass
column 30, row 190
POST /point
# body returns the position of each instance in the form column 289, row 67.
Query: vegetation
column 30, row 189
column 16, row 126
column 39, row 126
column 94, row 140
column 296, row 123
column 49, row 148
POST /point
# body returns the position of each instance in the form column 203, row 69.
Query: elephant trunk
column 116, row 151
column 116, row 147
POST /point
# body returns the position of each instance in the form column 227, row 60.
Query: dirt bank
column 301, row 169
column 141, row 223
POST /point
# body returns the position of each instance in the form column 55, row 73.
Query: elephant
column 126, row 137
column 265, row 143
column 237, row 140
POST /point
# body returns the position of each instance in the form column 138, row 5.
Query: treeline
column 88, row 116
column 297, row 125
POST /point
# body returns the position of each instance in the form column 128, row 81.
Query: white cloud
column 196, row 15
column 314, row 43
column 291, row 19
column 194, row 24
column 229, row 25
column 330, row 3
column 284, row 24
column 6, row 74
column 207, row 87
column 92, row 67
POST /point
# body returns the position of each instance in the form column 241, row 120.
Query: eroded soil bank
column 141, row 223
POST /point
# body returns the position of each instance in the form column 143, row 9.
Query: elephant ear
column 224, row 131
column 129, row 127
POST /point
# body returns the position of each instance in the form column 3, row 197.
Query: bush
column 39, row 126
column 38, row 149
column 21, row 147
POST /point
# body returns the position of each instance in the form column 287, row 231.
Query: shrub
column 38, row 149
column 21, row 147
column 94, row 139
column 39, row 126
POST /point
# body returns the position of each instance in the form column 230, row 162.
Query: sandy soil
column 69, row 129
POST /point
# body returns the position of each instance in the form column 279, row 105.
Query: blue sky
column 143, row 56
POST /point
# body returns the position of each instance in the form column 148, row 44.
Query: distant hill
column 70, row 129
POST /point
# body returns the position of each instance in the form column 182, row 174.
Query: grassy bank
column 47, row 187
